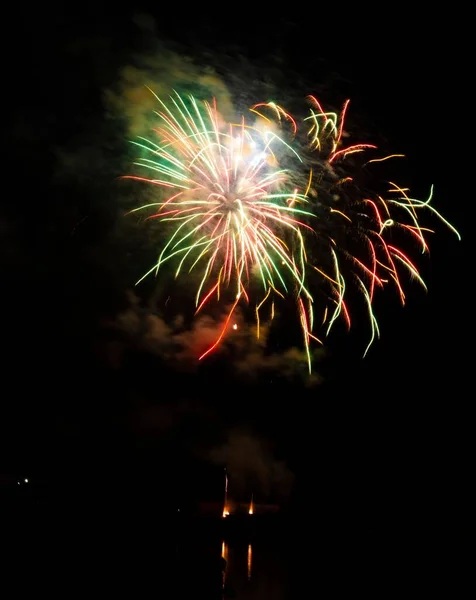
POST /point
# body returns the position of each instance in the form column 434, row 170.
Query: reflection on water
column 250, row 560
column 254, row 571
column 224, row 555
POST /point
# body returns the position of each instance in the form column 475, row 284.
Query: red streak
column 222, row 332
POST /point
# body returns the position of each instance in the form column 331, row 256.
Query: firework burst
column 256, row 231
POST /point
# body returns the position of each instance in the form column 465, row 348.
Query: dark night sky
column 394, row 430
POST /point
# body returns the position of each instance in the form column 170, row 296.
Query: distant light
column 26, row 480
column 235, row 326
column 18, row 482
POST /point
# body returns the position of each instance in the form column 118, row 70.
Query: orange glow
column 224, row 550
column 250, row 560
column 226, row 510
column 252, row 507
column 224, row 555
column 235, row 326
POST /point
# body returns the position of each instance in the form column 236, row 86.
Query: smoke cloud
column 179, row 343
column 252, row 467
column 160, row 71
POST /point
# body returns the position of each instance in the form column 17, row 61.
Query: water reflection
column 224, row 555
column 254, row 571
column 250, row 560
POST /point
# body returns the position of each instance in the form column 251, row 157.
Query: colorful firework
column 265, row 209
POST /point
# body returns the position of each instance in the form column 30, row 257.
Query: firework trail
column 265, row 209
